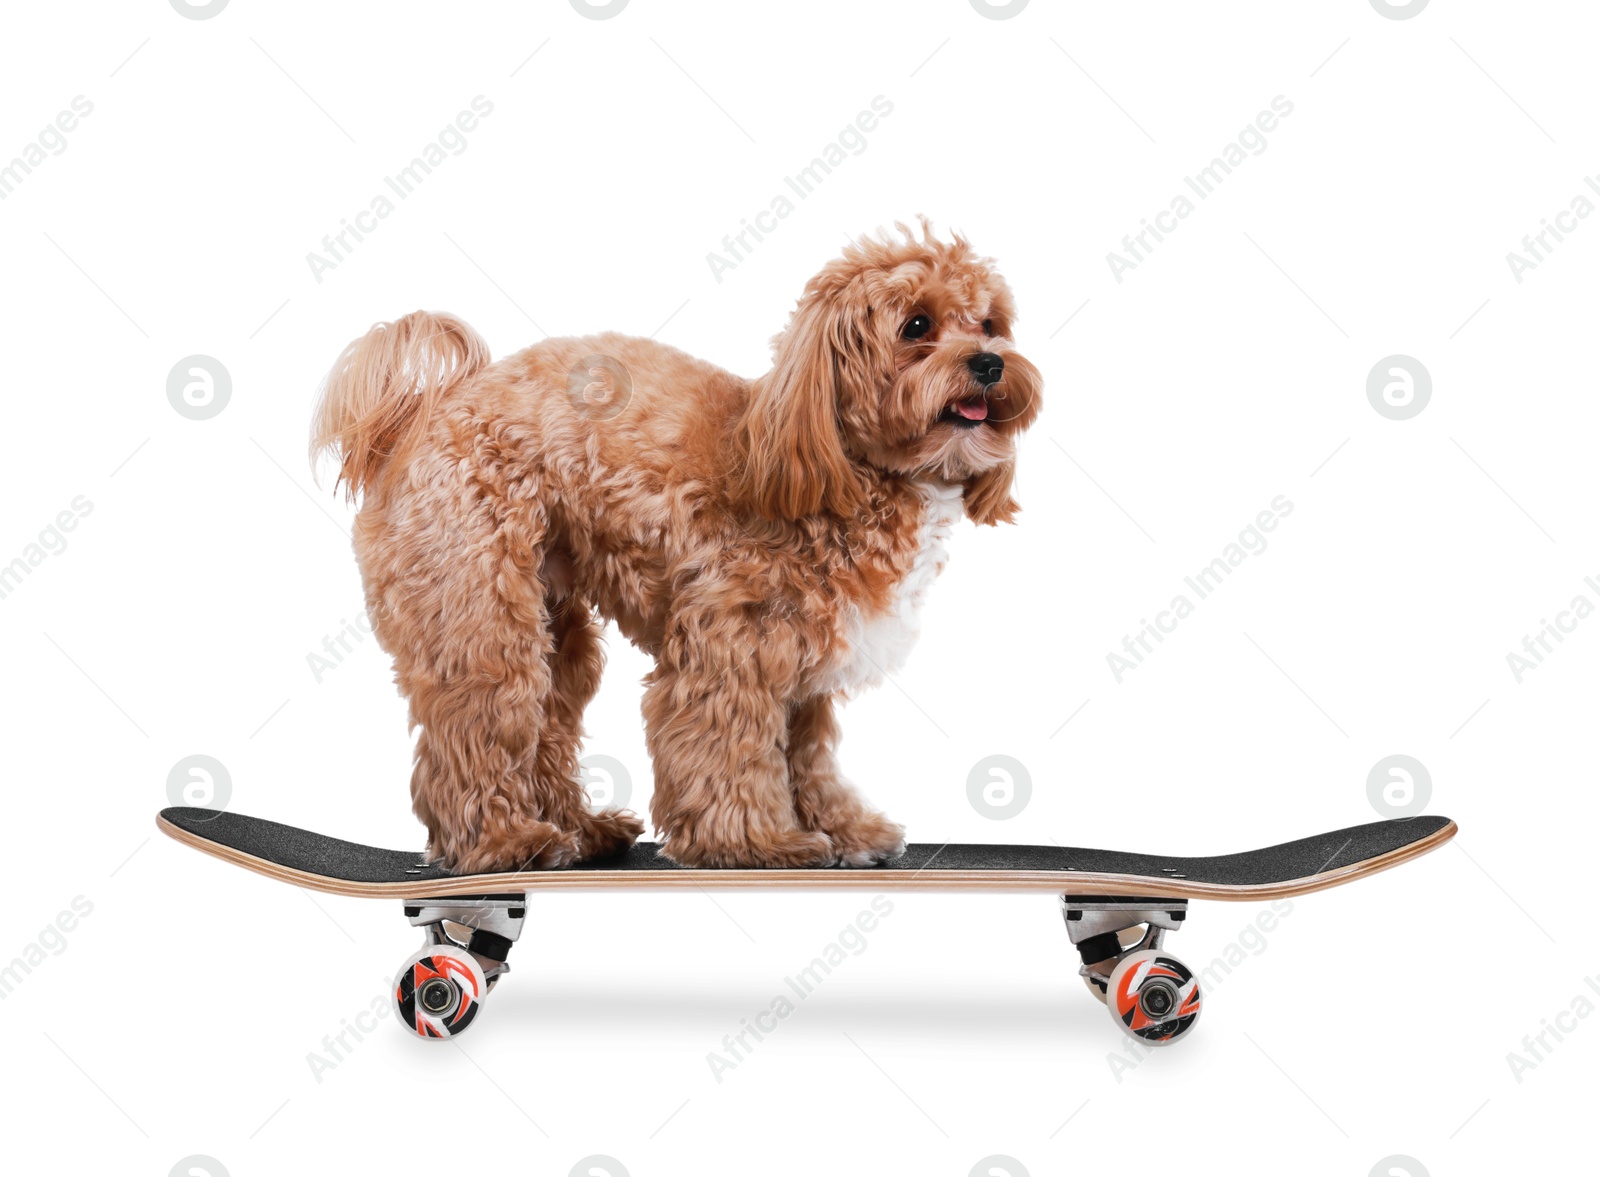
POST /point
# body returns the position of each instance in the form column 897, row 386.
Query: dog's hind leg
column 454, row 594
column 576, row 660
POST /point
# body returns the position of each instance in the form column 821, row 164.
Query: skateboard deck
column 1293, row 868
column 1118, row 906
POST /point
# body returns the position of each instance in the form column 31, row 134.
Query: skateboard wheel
column 1154, row 997
column 438, row 990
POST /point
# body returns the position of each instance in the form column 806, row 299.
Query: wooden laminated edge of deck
column 833, row 879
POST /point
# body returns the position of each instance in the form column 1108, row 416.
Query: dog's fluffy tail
column 384, row 386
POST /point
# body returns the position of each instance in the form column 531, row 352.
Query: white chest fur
column 876, row 644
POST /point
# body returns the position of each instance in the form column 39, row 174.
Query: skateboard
column 1118, row 906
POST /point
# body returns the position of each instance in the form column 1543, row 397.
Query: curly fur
column 767, row 541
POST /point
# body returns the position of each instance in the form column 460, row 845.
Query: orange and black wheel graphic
column 1154, row 997
column 438, row 991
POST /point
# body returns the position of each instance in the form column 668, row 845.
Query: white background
column 1228, row 368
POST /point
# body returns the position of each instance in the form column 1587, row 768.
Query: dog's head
column 898, row 360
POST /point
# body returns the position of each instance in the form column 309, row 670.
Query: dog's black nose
column 987, row 367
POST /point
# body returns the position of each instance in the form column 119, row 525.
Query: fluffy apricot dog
column 767, row 541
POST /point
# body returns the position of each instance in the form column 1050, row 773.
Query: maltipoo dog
column 767, row 541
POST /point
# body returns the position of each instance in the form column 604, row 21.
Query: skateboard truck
column 1152, row 995
column 466, row 940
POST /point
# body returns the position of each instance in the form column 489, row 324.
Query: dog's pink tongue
column 976, row 409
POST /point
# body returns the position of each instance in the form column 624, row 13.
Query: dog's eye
column 988, row 326
column 917, row 327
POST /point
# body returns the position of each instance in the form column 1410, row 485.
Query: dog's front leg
column 825, row 800
column 716, row 719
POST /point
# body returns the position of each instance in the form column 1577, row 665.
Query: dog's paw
column 799, row 848
column 609, row 832
column 789, row 849
column 532, row 845
column 868, row 840
column 873, row 857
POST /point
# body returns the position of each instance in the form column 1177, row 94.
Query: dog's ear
column 793, row 458
column 987, row 496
